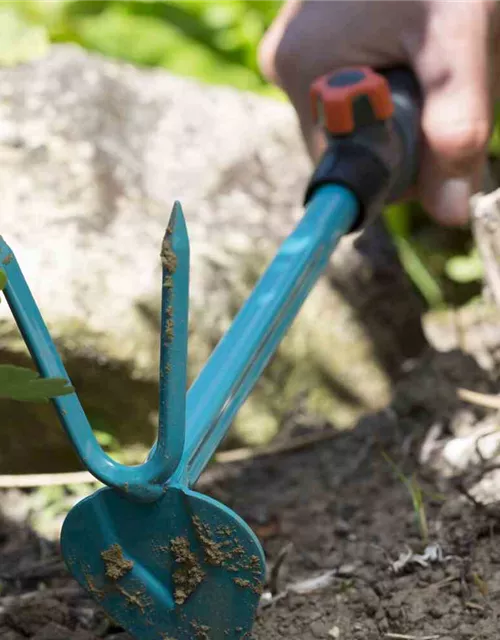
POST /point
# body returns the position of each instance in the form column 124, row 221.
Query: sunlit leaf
column 494, row 145
column 20, row 41
column 465, row 269
column 19, row 383
column 106, row 439
column 149, row 41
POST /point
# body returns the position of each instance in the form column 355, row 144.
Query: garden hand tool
column 162, row 559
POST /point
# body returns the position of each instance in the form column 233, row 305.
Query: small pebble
column 319, row 629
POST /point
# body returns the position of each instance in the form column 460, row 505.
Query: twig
column 403, row 636
column 441, row 583
column 474, row 605
column 247, row 453
column 302, row 587
column 27, row 481
column 274, row 572
column 489, row 401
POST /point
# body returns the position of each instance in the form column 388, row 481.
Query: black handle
column 407, row 100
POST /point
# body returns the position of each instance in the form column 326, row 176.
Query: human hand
column 453, row 48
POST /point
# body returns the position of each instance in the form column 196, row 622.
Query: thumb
column 453, row 71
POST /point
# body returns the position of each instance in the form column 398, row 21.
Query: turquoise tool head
column 164, row 561
column 161, row 559
column 183, row 567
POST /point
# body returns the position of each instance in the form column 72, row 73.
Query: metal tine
column 174, row 338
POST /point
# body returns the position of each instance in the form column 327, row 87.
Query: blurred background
column 216, row 42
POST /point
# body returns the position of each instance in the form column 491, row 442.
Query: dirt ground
column 348, row 557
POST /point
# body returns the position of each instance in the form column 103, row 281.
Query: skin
column 453, row 48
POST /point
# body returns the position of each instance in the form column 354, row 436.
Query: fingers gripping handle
column 407, row 101
column 372, row 123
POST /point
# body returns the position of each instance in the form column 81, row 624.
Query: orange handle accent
column 350, row 98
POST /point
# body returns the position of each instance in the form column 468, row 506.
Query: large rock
column 92, row 155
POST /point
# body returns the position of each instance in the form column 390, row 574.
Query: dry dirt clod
column 214, row 553
column 190, row 574
column 201, row 630
column 136, row 599
column 116, row 565
column 319, row 629
column 170, row 330
column 29, row 617
column 168, row 257
column 54, row 631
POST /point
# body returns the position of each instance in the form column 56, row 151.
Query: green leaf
column 465, row 269
column 494, row 144
column 19, row 383
column 419, row 273
column 20, row 41
column 149, row 41
column 3, row 279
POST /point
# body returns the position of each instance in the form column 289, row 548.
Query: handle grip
column 372, row 123
column 407, row 100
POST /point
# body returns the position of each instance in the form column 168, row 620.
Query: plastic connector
column 378, row 159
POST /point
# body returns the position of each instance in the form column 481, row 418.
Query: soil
column 333, row 517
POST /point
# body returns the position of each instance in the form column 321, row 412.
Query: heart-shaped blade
column 182, row 567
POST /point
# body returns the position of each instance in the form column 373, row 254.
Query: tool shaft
column 238, row 360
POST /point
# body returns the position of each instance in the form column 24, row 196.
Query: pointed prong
column 173, row 339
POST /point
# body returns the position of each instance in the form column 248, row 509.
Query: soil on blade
column 338, row 516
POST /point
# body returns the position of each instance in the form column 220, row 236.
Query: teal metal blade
column 183, row 567
column 173, row 342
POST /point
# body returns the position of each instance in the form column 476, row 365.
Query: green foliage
column 18, row 383
column 213, row 41
column 19, row 40
column 417, row 498
column 465, row 268
column 398, row 220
